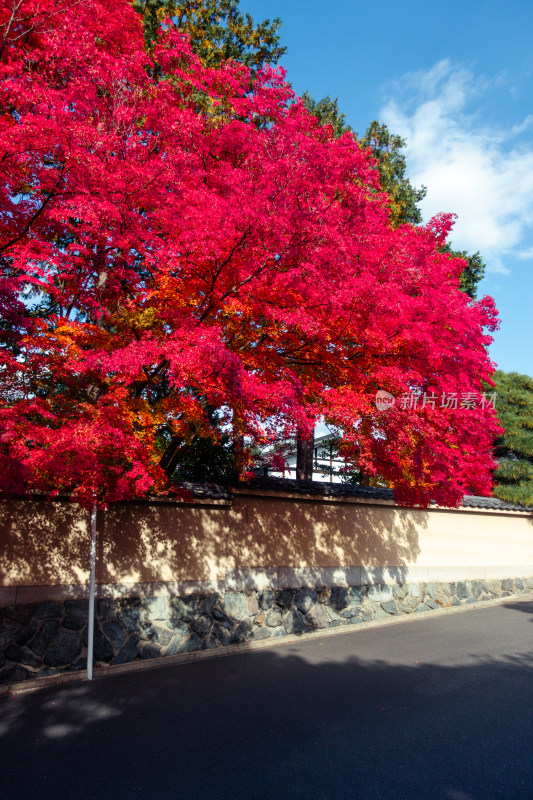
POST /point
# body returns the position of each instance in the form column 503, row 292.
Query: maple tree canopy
column 182, row 244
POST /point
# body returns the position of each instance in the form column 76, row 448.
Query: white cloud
column 481, row 172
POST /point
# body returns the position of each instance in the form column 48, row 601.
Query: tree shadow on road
column 314, row 719
column 525, row 607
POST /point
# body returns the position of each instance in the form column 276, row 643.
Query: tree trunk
column 169, row 459
column 238, row 450
column 304, row 456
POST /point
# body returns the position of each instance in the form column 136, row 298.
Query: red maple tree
column 182, row 243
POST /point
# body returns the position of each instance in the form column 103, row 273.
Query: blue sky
column 455, row 79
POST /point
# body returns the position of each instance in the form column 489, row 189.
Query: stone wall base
column 50, row 637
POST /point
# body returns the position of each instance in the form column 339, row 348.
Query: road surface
column 439, row 708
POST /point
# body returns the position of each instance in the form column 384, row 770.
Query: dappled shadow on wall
column 143, row 542
column 43, row 543
column 140, row 543
column 280, row 532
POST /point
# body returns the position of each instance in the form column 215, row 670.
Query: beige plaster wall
column 45, row 544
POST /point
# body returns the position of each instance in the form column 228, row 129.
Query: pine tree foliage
column 387, row 150
column 514, row 449
column 217, row 29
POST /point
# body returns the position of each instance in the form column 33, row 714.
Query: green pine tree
column 514, row 449
column 218, row 30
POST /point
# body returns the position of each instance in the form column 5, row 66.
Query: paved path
column 437, row 709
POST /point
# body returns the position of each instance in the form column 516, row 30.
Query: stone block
column 21, row 656
column 294, row 622
column 129, row 602
column 370, row 606
column 179, row 627
column 49, row 610
column 174, row 646
column 115, row 633
column 350, row 612
column 156, row 608
column 257, row 634
column 252, row 606
column 222, row 619
column 74, row 623
column 494, row 586
column 128, row 651
column 9, row 633
column 333, row 614
column 305, row 599
column 210, row 602
column 399, row 591
column 222, row 633
column 131, row 619
column 27, row 634
column 339, row 597
column 23, row 614
column 201, row 625
column 234, row 606
column 241, row 632
column 106, row 608
column 47, row 672
column 150, row 650
column 78, row 664
column 63, row 649
column 191, row 644
column 266, row 599
column 153, row 632
column 284, row 598
column 273, row 618
column 44, row 636
column 15, row 674
column 103, row 650
column 211, row 643
column 317, row 617
column 357, row 594
column 462, row 589
column 406, row 608
column 183, row 608
column 380, row 593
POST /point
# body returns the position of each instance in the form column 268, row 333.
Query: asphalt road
column 439, row 708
